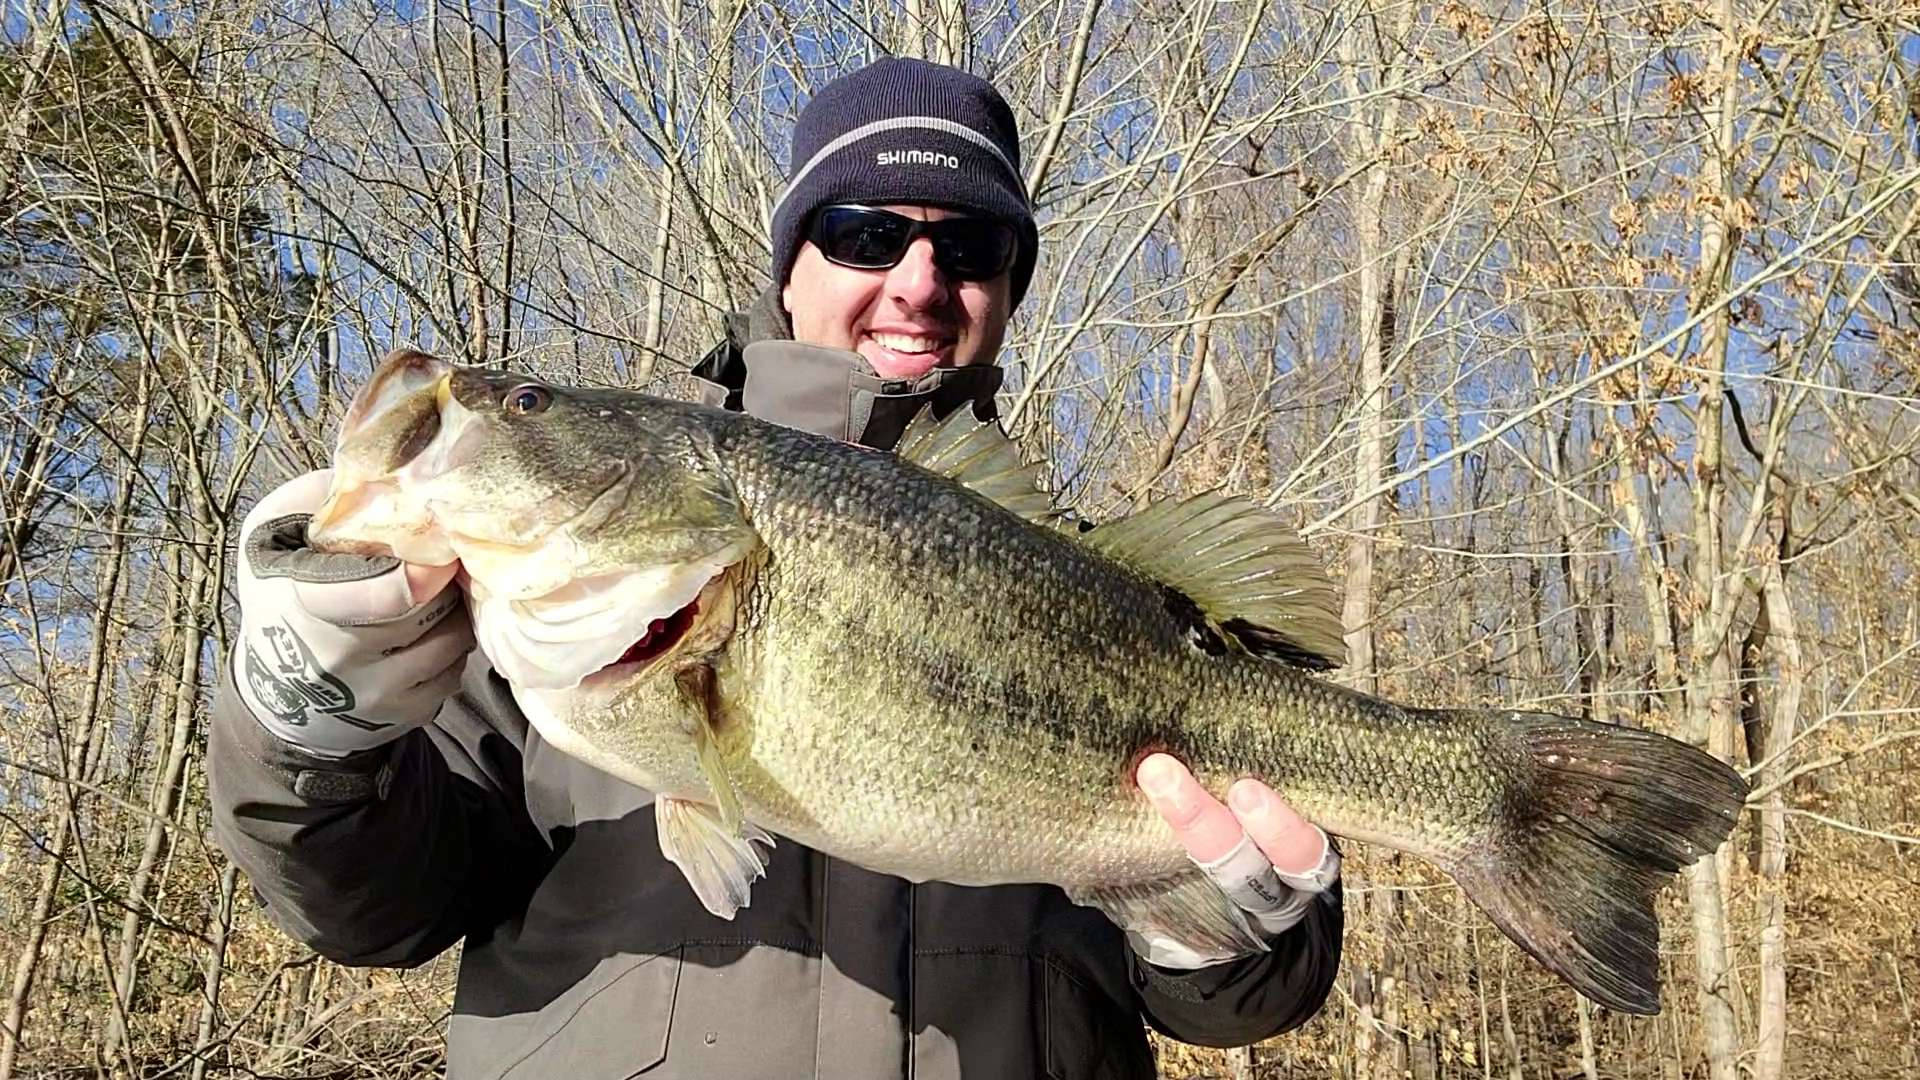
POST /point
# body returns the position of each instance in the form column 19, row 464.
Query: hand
column 1268, row 859
column 340, row 653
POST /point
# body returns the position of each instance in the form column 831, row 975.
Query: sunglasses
column 964, row 248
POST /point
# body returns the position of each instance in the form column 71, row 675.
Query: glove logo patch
column 291, row 683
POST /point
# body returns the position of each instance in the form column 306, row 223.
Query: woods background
column 1580, row 338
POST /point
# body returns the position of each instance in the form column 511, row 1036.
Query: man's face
column 905, row 320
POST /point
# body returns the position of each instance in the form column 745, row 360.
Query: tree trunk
column 1370, row 444
column 1373, row 137
column 1708, row 720
column 722, row 286
column 1638, row 510
column 1516, row 1057
column 1770, row 1050
column 1356, row 615
column 216, row 969
column 200, row 588
column 198, row 595
column 1589, row 1063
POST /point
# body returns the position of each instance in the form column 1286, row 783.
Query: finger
column 1296, row 847
column 1205, row 827
column 449, row 639
column 425, row 582
column 422, row 701
column 357, row 601
column 407, row 588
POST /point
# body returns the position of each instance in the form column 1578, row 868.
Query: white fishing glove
column 336, row 653
column 1274, row 901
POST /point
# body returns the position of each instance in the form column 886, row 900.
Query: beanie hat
column 906, row 131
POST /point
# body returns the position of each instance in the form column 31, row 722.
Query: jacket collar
column 759, row 369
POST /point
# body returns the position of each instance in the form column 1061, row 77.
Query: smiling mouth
column 909, row 344
column 905, row 356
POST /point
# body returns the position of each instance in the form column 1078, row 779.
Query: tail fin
column 1600, row 818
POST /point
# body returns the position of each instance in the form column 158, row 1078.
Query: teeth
column 907, row 343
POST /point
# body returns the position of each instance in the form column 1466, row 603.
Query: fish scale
column 914, row 664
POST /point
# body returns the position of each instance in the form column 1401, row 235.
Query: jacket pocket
column 1084, row 1040
column 611, row 1025
column 1010, row 1013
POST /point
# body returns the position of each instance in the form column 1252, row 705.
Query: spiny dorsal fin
column 980, row 456
column 1247, row 571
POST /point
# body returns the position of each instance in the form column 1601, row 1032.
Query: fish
column 917, row 663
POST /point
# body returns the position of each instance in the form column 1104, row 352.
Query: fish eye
column 527, row 399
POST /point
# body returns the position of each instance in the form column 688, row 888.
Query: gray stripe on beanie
column 900, row 123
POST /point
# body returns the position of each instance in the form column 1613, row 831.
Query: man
column 387, row 798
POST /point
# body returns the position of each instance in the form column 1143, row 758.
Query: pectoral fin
column 1187, row 909
column 720, row 863
column 696, row 688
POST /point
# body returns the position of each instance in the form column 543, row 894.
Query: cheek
column 825, row 301
column 986, row 310
column 983, row 306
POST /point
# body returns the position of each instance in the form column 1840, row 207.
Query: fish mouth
column 403, row 440
column 402, row 426
column 554, row 603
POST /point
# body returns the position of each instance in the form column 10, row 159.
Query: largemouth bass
column 907, row 662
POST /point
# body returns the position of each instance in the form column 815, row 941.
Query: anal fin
column 1185, row 909
column 719, row 860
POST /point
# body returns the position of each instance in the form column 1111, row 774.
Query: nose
column 915, row 281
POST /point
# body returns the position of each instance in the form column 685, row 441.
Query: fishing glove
column 1274, row 902
column 336, row 654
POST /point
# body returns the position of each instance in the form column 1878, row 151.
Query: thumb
column 1203, row 825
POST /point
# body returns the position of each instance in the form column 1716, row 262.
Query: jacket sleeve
column 385, row 857
column 1244, row 1001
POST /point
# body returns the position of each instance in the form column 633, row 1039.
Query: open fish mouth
column 574, row 565
column 401, row 475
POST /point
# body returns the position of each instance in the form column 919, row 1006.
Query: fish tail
column 1600, row 818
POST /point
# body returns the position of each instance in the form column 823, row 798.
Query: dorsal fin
column 1250, row 575
column 980, row 456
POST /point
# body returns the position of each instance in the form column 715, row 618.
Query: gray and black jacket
column 586, row 956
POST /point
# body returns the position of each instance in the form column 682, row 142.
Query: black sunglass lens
column 859, row 238
column 974, row 250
